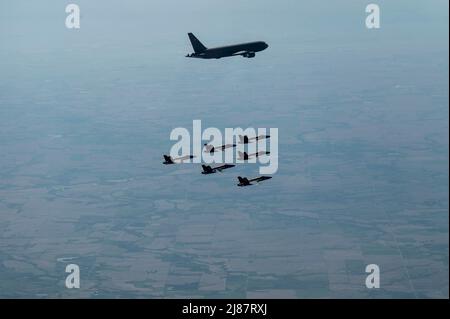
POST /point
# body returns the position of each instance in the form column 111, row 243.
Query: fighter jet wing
column 260, row 179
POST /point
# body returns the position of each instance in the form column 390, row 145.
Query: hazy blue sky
column 85, row 116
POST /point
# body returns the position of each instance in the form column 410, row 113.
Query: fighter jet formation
column 208, row 170
column 247, row 50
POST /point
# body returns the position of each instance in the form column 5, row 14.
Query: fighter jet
column 212, row 149
column 244, row 181
column 211, row 170
column 244, row 156
column 169, row 160
column 247, row 50
column 245, row 139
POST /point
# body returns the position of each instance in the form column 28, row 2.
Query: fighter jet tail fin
column 168, row 159
column 243, row 181
column 196, row 44
column 207, row 169
column 243, row 139
column 242, row 155
column 209, row 148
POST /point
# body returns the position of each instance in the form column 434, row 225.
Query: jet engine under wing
column 245, row 54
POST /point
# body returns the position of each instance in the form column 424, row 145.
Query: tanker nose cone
column 265, row 45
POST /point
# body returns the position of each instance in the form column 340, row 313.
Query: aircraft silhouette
column 244, row 156
column 169, row 160
column 212, row 149
column 247, row 50
column 211, row 170
column 245, row 139
column 244, row 181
